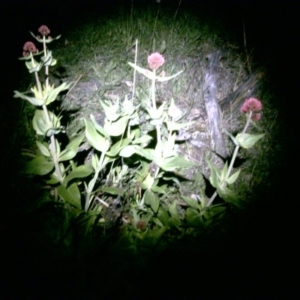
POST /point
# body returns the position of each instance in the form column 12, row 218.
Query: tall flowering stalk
column 156, row 60
column 45, row 123
column 164, row 156
column 251, row 108
column 45, row 31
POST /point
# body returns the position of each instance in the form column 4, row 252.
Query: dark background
column 261, row 258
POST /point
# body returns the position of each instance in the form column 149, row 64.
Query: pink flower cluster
column 141, row 225
column 253, row 105
column 44, row 30
column 29, row 47
column 155, row 60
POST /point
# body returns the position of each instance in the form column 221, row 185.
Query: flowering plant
column 222, row 179
column 114, row 143
column 131, row 172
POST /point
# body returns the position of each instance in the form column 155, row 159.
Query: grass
column 94, row 56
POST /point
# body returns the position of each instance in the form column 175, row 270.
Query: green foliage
column 247, row 140
column 132, row 174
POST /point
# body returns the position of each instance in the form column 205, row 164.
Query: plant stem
column 153, row 90
column 93, row 182
column 158, row 132
column 52, row 146
column 212, row 198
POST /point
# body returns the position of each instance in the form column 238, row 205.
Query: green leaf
column 53, row 93
column 48, row 60
column 33, row 66
column 174, row 111
column 145, row 139
column 47, row 40
column 172, row 178
column 167, row 78
column 213, row 211
column 150, row 74
column 32, row 100
column 159, row 189
column 95, row 161
column 43, row 147
column 191, row 202
column 193, row 217
column 231, row 136
column 174, row 213
column 147, row 153
column 53, row 180
column 227, row 194
column 135, row 216
column 128, row 107
column 74, row 144
column 163, row 216
column 142, row 173
column 213, row 178
column 148, row 182
column 112, row 190
column 158, row 222
column 168, row 147
column 152, row 237
column 132, row 149
column 41, row 124
column 71, row 194
column 57, row 147
column 156, row 113
column 40, row 165
column 171, row 163
column 95, row 139
column 80, row 172
column 111, row 110
column 99, row 128
column 151, row 199
column 127, row 151
column 117, row 147
column 71, row 149
column 233, row 177
column 247, row 140
column 66, row 155
column 223, row 172
column 118, row 127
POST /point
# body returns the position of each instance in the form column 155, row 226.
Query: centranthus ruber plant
column 50, row 158
column 133, row 175
column 113, row 181
column 45, row 123
column 221, row 179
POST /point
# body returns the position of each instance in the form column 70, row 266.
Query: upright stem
column 153, row 90
column 93, row 182
column 52, row 146
column 236, row 150
column 158, row 131
column 46, row 67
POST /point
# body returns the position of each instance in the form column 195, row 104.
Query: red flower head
column 141, row 225
column 251, row 104
column 44, row 30
column 155, row 60
column 29, row 47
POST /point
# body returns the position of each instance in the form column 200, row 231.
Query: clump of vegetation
column 122, row 133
